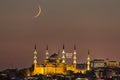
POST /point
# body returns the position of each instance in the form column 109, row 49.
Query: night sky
column 90, row 24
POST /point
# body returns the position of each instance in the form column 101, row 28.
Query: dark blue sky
column 90, row 24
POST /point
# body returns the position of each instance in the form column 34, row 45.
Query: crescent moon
column 39, row 12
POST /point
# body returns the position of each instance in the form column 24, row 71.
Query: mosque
column 56, row 64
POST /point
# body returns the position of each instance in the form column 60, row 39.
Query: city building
column 56, row 64
column 96, row 63
column 113, row 64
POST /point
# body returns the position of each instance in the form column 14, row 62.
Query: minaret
column 47, row 54
column 35, row 61
column 35, row 56
column 88, row 61
column 63, row 55
column 74, row 57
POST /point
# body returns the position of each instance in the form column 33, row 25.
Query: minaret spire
column 88, row 61
column 63, row 55
column 35, row 46
column 47, row 54
column 74, row 47
column 74, row 57
column 63, row 47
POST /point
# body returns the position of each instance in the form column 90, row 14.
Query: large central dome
column 54, row 56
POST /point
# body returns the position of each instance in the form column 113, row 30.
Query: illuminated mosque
column 56, row 64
